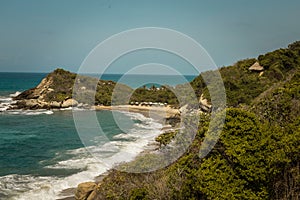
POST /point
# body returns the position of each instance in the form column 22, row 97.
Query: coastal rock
column 184, row 109
column 38, row 92
column 69, row 103
column 55, row 104
column 93, row 195
column 32, row 104
column 203, row 104
column 85, row 191
column 53, row 91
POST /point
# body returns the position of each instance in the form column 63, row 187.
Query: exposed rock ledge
column 54, row 91
column 86, row 191
column 40, row 104
column 203, row 104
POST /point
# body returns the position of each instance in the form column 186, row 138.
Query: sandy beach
column 148, row 111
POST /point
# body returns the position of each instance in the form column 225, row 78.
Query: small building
column 256, row 67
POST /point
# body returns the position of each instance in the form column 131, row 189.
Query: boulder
column 85, row 190
column 32, row 104
column 93, row 195
column 203, row 104
column 28, row 103
column 69, row 103
column 55, row 104
column 184, row 109
column 42, row 104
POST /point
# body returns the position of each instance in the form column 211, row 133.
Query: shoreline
column 148, row 111
column 156, row 113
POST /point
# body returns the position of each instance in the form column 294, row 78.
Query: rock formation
column 86, row 191
column 54, row 91
column 203, row 104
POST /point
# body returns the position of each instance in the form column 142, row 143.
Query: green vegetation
column 62, row 85
column 153, row 94
column 243, row 86
column 92, row 91
column 89, row 90
column 166, row 137
column 258, row 153
column 251, row 160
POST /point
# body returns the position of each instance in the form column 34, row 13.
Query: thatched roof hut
column 256, row 67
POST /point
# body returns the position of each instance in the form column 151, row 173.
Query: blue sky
column 39, row 36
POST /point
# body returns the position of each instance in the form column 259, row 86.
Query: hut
column 256, row 67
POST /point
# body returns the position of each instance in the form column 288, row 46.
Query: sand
column 149, row 111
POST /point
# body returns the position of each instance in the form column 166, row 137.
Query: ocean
column 41, row 153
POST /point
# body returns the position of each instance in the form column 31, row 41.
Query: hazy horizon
column 41, row 36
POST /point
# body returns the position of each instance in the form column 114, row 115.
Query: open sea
column 41, row 152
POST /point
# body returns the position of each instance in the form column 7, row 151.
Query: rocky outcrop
column 40, row 104
column 203, row 104
column 32, row 104
column 86, row 191
column 53, row 92
column 69, row 103
column 55, row 104
column 38, row 92
column 56, row 91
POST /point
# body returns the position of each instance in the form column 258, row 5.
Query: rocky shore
column 56, row 91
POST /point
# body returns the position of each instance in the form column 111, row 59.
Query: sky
column 39, row 36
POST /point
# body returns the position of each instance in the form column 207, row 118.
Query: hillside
column 258, row 152
column 56, row 91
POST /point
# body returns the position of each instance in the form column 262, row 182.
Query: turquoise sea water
column 41, row 152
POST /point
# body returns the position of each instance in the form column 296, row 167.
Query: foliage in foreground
column 258, row 152
column 251, row 160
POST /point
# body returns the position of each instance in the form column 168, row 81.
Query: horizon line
column 94, row 73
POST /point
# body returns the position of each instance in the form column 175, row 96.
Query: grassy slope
column 257, row 155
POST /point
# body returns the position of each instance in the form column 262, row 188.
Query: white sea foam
column 93, row 160
column 15, row 94
column 70, row 108
column 5, row 99
column 30, row 112
column 125, row 136
column 5, row 103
